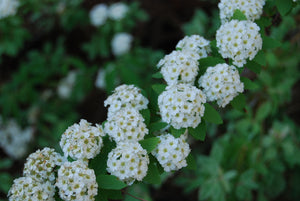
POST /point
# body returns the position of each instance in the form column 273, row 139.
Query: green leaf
column 263, row 111
column 284, row 6
column 260, row 58
column 153, row 176
column 156, row 126
column 239, row 102
column 6, row 182
column 248, row 84
column 114, row 194
column 149, row 144
column 110, row 182
column 238, row 15
column 270, row 43
column 146, row 114
column 191, row 162
column 177, row 132
column 199, row 132
column 159, row 88
column 206, row 62
column 5, row 163
column 211, row 115
column 253, row 66
column 157, row 75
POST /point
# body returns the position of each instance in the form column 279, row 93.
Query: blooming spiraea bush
column 147, row 131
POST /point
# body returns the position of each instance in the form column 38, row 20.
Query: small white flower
column 121, row 43
column 82, row 141
column 195, row 43
column 128, row 161
column 252, row 9
column 239, row 40
column 123, row 96
column 40, row 164
column 182, row 105
column 66, row 85
column 98, row 14
column 27, row 188
column 8, row 7
column 117, row 11
column 126, row 125
column 76, row 181
column 221, row 83
column 171, row 152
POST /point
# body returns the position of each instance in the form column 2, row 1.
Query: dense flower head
column 28, row 189
column 239, row 40
column 82, row 141
column 126, row 125
column 40, row 164
column 121, row 43
column 99, row 14
column 182, row 105
column 180, row 66
column 124, row 96
column 8, row 8
column 221, row 83
column 195, row 43
column 76, row 181
column 13, row 139
column 128, row 161
column 171, row 152
column 252, row 9
column 117, row 11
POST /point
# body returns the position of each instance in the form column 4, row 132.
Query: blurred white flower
column 65, row 86
column 117, row 11
column 121, row 43
column 14, row 140
column 98, row 14
column 8, row 7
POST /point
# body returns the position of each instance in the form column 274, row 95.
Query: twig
column 125, row 192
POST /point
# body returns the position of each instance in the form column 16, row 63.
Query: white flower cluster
column 179, row 67
column 221, row 83
column 124, row 96
column 40, row 164
column 13, row 139
column 252, row 9
column 27, row 188
column 126, row 125
column 182, row 105
column 128, row 161
column 239, row 40
column 171, row 152
column 101, row 12
column 8, row 8
column 121, row 43
column 66, row 85
column 82, row 141
column 196, row 44
column 76, row 181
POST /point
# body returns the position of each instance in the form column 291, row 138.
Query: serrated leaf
column 191, row 162
column 253, row 66
column 260, row 58
column 156, row 126
column 199, row 132
column 110, row 182
column 284, row 6
column 153, row 176
column 238, row 15
column 248, row 84
column 159, row 88
column 149, row 144
column 270, row 43
column 157, row 75
column 263, row 111
column 211, row 115
column 239, row 102
column 177, row 132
